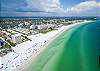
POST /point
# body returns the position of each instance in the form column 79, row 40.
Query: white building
column 26, row 23
column 32, row 27
column 16, row 38
column 40, row 27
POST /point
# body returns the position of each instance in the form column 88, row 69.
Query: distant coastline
column 70, row 17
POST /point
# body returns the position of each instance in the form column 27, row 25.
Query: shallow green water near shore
column 77, row 49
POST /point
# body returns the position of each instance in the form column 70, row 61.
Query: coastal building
column 16, row 38
column 26, row 23
column 51, row 26
column 40, row 27
column 33, row 27
column 20, row 25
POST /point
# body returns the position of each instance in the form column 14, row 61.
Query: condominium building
column 16, row 38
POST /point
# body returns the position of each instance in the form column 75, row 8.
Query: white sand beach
column 27, row 51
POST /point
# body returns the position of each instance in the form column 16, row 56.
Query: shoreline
column 29, row 61
column 39, row 40
column 52, row 39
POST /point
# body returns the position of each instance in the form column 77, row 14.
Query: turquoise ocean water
column 77, row 49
